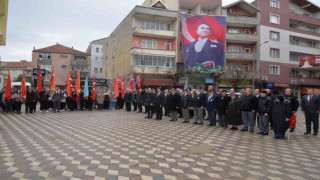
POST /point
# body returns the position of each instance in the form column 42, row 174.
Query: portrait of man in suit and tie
column 203, row 41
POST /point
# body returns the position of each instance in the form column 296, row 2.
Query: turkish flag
column 139, row 82
column 8, row 94
column 94, row 86
column 39, row 80
column 78, row 87
column 116, row 87
column 69, row 85
column 52, row 82
column 23, row 87
column 132, row 83
column 122, row 87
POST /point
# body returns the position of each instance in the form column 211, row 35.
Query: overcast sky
column 76, row 23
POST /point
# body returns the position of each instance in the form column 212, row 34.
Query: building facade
column 292, row 28
column 3, row 21
column 16, row 70
column 96, row 51
column 62, row 59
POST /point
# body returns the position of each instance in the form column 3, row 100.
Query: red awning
column 158, row 82
column 285, row 85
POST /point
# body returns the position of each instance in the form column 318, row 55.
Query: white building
column 96, row 50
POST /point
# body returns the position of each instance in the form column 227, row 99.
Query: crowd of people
column 248, row 108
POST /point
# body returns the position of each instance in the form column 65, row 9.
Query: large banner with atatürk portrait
column 203, row 39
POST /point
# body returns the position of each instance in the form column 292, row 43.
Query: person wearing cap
column 211, row 107
column 223, row 102
column 264, row 111
column 185, row 104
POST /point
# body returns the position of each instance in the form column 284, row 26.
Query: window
column 235, row 30
column 311, row 74
column 274, row 4
column 97, row 59
column 205, row 11
column 311, row 44
column 294, row 73
column 168, row 45
column 97, row 50
column 79, row 58
column 234, row 49
column 247, row 49
column 149, row 43
column 274, row 36
column 294, row 41
column 43, row 56
column 153, row 60
column 312, row 29
column 63, row 66
column 275, row 19
column 275, row 70
column 156, row 25
column 246, row 67
column 64, row 56
column 275, row 53
column 247, row 31
column 294, row 57
column 100, row 70
column 185, row 11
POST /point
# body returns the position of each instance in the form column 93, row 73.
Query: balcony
column 241, row 56
column 153, row 51
column 154, row 33
column 241, row 38
column 245, row 21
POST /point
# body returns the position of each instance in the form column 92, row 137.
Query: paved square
column 120, row 145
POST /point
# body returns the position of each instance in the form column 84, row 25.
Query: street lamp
column 254, row 72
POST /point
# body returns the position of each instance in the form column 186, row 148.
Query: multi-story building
column 145, row 43
column 96, row 51
column 242, row 39
column 3, row 21
column 63, row 60
column 292, row 28
column 16, row 70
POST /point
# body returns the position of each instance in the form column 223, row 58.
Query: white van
column 17, row 85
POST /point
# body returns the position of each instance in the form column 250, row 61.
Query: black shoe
column 251, row 131
column 210, row 125
column 291, row 130
column 171, row 120
column 195, row 123
column 306, row 133
column 185, row 122
column 147, row 117
column 200, row 123
column 243, row 130
column 265, row 134
column 315, row 133
column 259, row 133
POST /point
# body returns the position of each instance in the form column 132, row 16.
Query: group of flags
column 134, row 85
column 8, row 92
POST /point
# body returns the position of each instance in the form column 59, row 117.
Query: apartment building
column 292, row 28
column 96, row 50
column 145, row 43
column 16, row 69
column 62, row 59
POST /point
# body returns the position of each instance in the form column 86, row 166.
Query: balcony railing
column 241, row 56
column 242, row 37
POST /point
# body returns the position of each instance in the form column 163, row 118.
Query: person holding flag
column 87, row 96
column 8, row 95
column 70, row 97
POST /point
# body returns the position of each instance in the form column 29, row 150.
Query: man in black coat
column 139, row 99
column 248, row 108
column 310, row 105
column 159, row 104
column 199, row 103
column 128, row 100
column 149, row 103
column 30, row 99
column 174, row 104
column 167, row 96
column 222, row 106
column 264, row 112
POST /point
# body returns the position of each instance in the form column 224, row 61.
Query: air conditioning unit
column 293, row 82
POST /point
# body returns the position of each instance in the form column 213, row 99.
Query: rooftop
column 61, row 49
column 11, row 64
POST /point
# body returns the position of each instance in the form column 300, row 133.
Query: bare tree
column 175, row 75
column 236, row 77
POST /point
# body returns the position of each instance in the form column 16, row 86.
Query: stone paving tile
column 121, row 145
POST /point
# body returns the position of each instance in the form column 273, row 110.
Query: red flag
column 132, row 84
column 94, row 86
column 39, row 80
column 69, row 85
column 7, row 95
column 139, row 82
column 78, row 87
column 122, row 87
column 116, row 87
column 52, row 82
column 23, row 87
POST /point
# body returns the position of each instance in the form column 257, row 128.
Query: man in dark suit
column 30, row 99
column 222, row 107
column 199, row 103
column 203, row 50
column 159, row 104
column 310, row 105
column 56, row 98
column 211, row 107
